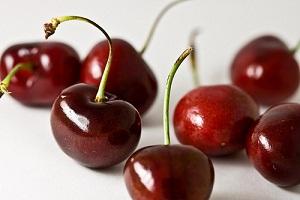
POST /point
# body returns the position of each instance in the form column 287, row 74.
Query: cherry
column 130, row 74
column 97, row 132
column 55, row 67
column 170, row 172
column 4, row 84
column 215, row 119
column 267, row 70
column 273, row 144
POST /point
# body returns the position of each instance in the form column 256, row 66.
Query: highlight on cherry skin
column 273, row 144
column 267, row 70
column 139, row 87
column 55, row 66
column 93, row 127
column 215, row 118
column 169, row 172
column 5, row 83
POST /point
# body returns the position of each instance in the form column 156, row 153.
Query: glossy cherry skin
column 55, row 67
column 215, row 119
column 97, row 135
column 273, row 144
column 267, row 70
column 169, row 172
column 130, row 78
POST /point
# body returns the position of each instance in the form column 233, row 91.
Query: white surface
column 33, row 167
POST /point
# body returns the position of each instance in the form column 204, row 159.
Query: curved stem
column 171, row 75
column 50, row 28
column 193, row 60
column 155, row 24
column 6, row 81
column 296, row 48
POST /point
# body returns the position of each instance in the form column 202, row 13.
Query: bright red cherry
column 267, row 70
column 130, row 74
column 273, row 144
column 169, row 172
column 131, row 78
column 55, row 67
column 215, row 119
column 97, row 132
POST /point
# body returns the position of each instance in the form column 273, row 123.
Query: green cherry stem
column 193, row 60
column 171, row 75
column 50, row 28
column 296, row 48
column 4, row 84
column 156, row 22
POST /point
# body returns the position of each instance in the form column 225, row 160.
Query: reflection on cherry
column 93, row 127
column 171, row 172
column 267, row 70
column 273, row 144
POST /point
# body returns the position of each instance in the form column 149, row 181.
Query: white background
column 32, row 167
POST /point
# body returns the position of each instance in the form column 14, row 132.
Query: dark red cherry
column 91, row 126
column 273, row 144
column 55, row 67
column 131, row 79
column 266, row 69
column 95, row 134
column 215, row 119
column 169, row 172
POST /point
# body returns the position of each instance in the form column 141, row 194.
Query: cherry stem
column 171, row 75
column 4, row 84
column 296, row 48
column 50, row 28
column 156, row 22
column 193, row 60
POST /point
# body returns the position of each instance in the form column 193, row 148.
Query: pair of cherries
column 267, row 70
column 221, row 120
column 57, row 66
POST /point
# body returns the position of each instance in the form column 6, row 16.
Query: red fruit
column 55, row 67
column 273, row 144
column 91, row 126
column 215, row 119
column 131, row 79
column 267, row 70
column 170, row 172
column 97, row 135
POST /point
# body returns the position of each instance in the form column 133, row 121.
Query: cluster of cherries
column 100, row 129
